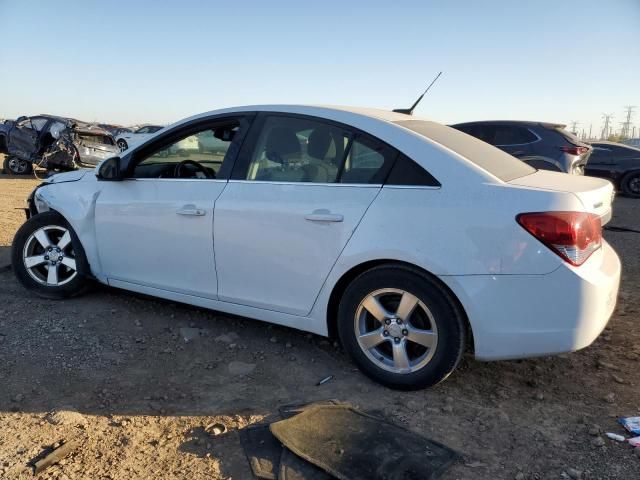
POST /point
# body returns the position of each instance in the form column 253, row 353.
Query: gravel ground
column 113, row 369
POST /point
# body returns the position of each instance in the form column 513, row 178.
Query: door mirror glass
column 109, row 169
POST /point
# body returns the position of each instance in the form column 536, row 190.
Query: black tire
column 76, row 284
column 630, row 184
column 15, row 166
column 122, row 145
column 447, row 315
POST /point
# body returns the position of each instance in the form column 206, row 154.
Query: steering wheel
column 192, row 165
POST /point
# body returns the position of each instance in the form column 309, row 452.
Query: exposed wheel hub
column 395, row 328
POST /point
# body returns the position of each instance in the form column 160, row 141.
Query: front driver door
column 288, row 210
column 155, row 228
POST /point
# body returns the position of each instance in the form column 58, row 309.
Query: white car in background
column 126, row 139
column 409, row 240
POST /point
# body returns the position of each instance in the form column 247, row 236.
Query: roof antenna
column 409, row 111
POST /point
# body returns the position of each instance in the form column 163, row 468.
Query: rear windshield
column 487, row 157
column 95, row 139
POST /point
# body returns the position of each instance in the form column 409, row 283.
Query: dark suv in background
column 546, row 146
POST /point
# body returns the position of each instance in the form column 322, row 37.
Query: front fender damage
column 77, row 206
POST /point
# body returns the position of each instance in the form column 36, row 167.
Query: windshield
column 487, row 157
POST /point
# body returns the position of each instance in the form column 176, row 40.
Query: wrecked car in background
column 54, row 143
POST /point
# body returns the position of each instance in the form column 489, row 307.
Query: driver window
column 195, row 156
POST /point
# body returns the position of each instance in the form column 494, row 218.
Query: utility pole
column 605, row 129
column 633, row 135
column 626, row 125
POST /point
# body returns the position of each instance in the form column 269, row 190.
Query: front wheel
column 122, row 145
column 401, row 327
column 16, row 166
column 47, row 257
column 630, row 185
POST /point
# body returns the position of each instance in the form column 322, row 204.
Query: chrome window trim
column 323, row 184
column 413, row 187
column 360, row 185
column 219, row 180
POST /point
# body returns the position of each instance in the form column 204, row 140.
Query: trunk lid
column 595, row 194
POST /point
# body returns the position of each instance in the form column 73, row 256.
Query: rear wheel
column 16, row 166
column 122, row 145
column 401, row 327
column 630, row 184
column 47, row 257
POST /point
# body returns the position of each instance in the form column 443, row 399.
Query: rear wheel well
column 350, row 275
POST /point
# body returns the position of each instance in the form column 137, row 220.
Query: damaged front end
column 60, row 155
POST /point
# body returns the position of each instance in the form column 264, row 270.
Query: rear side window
column 501, row 135
column 367, row 161
column 407, row 172
column 512, row 135
column 493, row 160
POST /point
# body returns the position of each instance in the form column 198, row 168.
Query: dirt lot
column 113, row 368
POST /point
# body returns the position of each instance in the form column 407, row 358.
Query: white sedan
column 126, row 140
column 409, row 240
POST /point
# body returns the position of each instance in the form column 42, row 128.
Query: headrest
column 282, row 143
column 319, row 143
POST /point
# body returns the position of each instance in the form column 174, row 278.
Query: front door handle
column 191, row 210
column 323, row 216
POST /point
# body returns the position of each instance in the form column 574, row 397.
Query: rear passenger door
column 298, row 191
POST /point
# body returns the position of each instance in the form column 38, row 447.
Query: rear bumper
column 519, row 316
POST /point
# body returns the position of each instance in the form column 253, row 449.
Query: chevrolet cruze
column 409, row 240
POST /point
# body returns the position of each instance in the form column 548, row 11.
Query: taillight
column 575, row 150
column 574, row 236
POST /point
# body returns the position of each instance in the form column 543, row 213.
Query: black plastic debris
column 352, row 445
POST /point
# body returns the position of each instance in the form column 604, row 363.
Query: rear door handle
column 191, row 210
column 323, row 216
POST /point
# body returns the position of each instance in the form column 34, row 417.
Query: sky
column 131, row 62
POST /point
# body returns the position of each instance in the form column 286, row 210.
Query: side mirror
column 109, row 169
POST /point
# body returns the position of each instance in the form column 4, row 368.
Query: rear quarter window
column 489, row 158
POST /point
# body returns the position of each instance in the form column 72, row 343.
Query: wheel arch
column 83, row 267
column 79, row 215
column 348, row 276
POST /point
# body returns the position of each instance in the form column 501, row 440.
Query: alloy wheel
column 395, row 330
column 48, row 256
